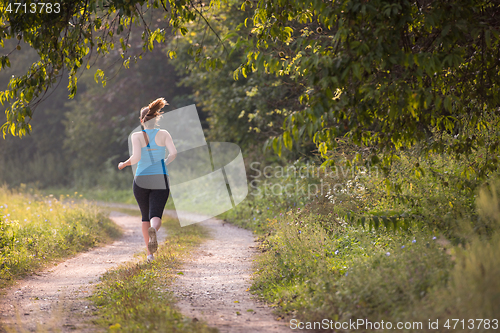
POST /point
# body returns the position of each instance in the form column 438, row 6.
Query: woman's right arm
column 136, row 153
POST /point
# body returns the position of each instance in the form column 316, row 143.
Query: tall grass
column 473, row 291
column 413, row 245
column 349, row 273
column 36, row 229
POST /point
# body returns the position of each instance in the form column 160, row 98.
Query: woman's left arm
column 136, row 153
column 172, row 151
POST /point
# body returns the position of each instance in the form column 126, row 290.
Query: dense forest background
column 78, row 142
column 385, row 77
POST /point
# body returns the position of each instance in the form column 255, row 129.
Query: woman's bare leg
column 145, row 234
column 156, row 223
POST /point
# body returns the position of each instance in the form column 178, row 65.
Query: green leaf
column 287, row 139
column 385, row 221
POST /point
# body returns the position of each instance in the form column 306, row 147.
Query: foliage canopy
column 387, row 75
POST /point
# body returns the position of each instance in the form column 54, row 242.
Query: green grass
column 36, row 230
column 135, row 297
column 313, row 273
column 473, row 289
column 430, row 250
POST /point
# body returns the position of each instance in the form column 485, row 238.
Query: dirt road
column 213, row 286
column 56, row 297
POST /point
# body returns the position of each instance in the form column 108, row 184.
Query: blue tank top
column 152, row 157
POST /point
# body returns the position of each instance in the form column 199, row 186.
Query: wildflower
column 254, row 218
column 267, row 207
column 51, row 209
column 414, row 241
column 300, row 232
column 337, row 252
column 388, row 254
column 346, row 273
column 1, row 206
column 434, row 237
column 25, row 220
column 38, row 215
column 403, row 247
column 8, row 214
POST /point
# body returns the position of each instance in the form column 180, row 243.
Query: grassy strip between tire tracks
column 135, row 296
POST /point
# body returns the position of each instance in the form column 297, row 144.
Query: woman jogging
column 149, row 150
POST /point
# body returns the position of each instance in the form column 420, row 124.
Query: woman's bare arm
column 172, row 151
column 136, row 153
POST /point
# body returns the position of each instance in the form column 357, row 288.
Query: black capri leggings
column 151, row 202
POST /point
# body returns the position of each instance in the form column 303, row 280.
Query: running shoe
column 150, row 257
column 153, row 243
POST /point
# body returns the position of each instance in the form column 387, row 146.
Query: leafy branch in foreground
column 72, row 39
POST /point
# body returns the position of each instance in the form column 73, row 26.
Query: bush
column 473, row 290
column 314, row 275
column 411, row 246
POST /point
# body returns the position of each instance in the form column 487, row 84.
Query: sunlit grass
column 35, row 230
